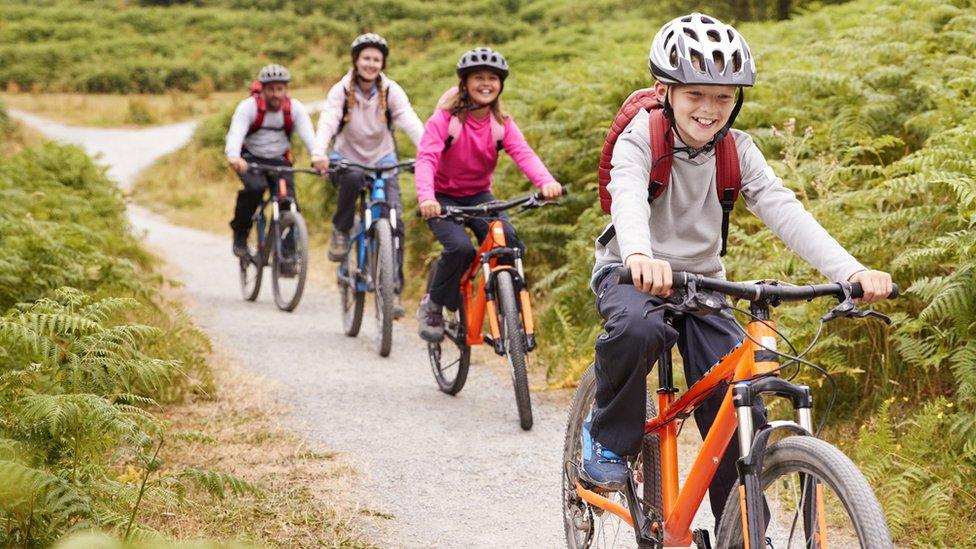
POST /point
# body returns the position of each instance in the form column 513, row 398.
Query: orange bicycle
column 797, row 492
column 494, row 285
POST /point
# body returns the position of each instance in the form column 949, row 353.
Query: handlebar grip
column 678, row 278
column 857, row 291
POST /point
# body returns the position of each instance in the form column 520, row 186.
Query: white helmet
column 274, row 73
column 699, row 49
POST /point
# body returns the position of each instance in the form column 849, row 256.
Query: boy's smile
column 699, row 111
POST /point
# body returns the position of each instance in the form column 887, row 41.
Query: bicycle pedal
column 701, row 539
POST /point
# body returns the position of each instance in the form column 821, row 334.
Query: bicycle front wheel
column 514, row 338
column 384, row 277
column 816, row 498
column 290, row 265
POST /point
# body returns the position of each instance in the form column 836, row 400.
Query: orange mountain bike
column 797, row 492
column 493, row 286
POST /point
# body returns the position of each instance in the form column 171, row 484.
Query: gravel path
column 453, row 471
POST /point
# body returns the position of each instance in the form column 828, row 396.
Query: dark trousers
column 249, row 198
column 625, row 355
column 350, row 182
column 458, row 251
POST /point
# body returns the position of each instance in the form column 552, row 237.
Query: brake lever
column 847, row 309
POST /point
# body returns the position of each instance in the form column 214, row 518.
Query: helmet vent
column 714, row 36
column 691, row 34
column 736, row 61
column 697, row 60
column 719, row 61
column 707, row 20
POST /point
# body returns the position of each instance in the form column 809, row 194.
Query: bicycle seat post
column 665, row 369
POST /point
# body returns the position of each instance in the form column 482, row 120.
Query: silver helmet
column 369, row 40
column 700, row 49
column 274, row 73
column 483, row 58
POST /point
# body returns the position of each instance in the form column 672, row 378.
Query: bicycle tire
column 455, row 337
column 578, row 517
column 352, row 300
column 252, row 266
column 809, row 456
column 384, row 277
column 514, row 339
column 293, row 223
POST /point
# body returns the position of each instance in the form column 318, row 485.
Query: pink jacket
column 466, row 168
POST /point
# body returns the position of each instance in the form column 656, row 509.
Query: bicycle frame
column 477, row 293
column 276, row 199
column 680, row 505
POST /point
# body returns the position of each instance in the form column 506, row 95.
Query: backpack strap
column 345, row 110
column 454, row 130
column 262, row 105
column 728, row 181
column 662, row 146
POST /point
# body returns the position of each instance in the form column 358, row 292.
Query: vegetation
column 92, row 348
column 866, row 110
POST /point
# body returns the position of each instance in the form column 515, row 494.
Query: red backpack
column 728, row 179
column 263, row 108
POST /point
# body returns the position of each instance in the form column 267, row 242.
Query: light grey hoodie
column 683, row 226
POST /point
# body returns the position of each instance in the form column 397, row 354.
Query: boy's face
column 700, row 111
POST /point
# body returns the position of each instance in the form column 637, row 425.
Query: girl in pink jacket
column 455, row 162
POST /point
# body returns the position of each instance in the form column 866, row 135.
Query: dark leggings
column 628, row 350
column 458, row 251
column 249, row 198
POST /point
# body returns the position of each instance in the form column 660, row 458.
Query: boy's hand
column 652, row 276
column 238, row 164
column 321, row 163
column 876, row 285
column 552, row 191
column 430, row 208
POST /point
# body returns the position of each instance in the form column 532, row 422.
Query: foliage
column 88, row 350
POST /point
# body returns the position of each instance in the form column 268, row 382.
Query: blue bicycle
column 371, row 261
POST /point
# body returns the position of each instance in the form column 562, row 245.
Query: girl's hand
column 652, row 276
column 552, row 191
column 430, row 208
column 876, row 285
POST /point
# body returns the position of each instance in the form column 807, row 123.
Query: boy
column 699, row 65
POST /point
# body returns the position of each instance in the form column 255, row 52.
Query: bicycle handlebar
column 763, row 291
column 267, row 168
column 533, row 200
column 341, row 165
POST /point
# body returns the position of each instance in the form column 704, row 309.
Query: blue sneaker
column 602, row 467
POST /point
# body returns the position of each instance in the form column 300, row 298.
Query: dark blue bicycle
column 371, row 261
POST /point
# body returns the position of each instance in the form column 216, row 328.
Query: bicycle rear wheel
column 586, row 526
column 290, row 268
column 817, row 498
column 352, row 297
column 384, row 277
column 514, row 338
column 451, row 357
column 252, row 265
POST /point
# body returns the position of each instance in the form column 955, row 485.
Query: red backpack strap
column 662, row 145
column 728, row 181
column 644, row 99
column 286, row 111
column 259, row 119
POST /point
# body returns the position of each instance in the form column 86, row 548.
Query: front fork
column 752, row 503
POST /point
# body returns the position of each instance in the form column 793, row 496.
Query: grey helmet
column 483, row 58
column 699, row 49
column 274, row 73
column 369, row 40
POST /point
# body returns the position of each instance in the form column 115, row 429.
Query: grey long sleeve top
column 269, row 141
column 683, row 226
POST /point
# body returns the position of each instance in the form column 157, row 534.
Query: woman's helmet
column 369, row 40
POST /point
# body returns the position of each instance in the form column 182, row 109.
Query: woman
column 360, row 113
column 455, row 162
